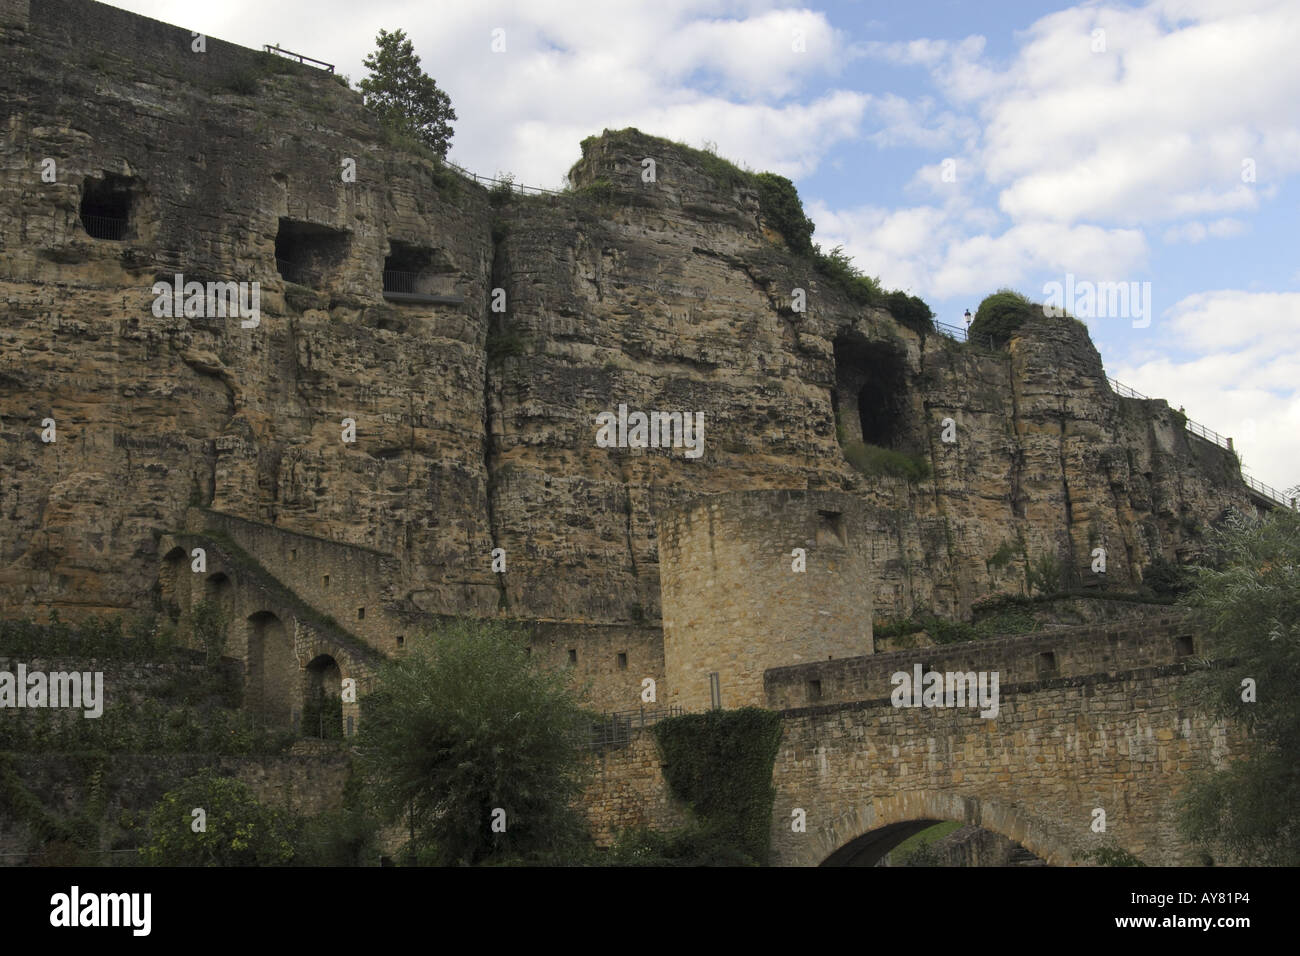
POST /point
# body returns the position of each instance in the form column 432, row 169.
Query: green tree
column 210, row 629
column 238, row 831
column 1248, row 600
column 407, row 99
column 467, row 725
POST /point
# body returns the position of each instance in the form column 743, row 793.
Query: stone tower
column 735, row 602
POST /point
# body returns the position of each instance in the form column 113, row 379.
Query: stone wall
column 1167, row 638
column 628, row 791
column 354, row 585
column 734, row 604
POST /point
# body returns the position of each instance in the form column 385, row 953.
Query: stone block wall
column 628, row 791
column 352, row 584
column 1058, row 750
column 735, row 606
column 1167, row 638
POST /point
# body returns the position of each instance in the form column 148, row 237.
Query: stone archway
column 322, row 709
column 218, row 590
column 862, row 835
column 174, row 583
column 272, row 673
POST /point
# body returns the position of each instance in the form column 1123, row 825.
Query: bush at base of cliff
column 875, row 462
column 237, row 830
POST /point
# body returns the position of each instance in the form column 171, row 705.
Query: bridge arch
column 273, row 673
column 322, row 712
column 863, row 834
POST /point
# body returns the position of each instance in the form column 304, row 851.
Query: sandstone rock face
column 476, row 429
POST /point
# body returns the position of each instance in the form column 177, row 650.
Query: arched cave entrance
column 322, row 710
column 217, row 590
column 936, row 843
column 870, row 394
column 173, row 583
column 272, row 670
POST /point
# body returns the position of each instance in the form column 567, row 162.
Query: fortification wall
column 628, row 791
column 354, row 585
column 1059, row 652
column 734, row 603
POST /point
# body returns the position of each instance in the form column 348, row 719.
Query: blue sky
column 1137, row 143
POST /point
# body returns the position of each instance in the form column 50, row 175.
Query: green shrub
column 503, row 190
column 210, row 629
column 910, row 311
column 599, row 190
column 1111, row 855
column 1044, row 575
column 780, row 206
column 695, row 844
column 1165, row 578
column 505, row 344
column 1001, row 315
column 243, row 82
column 838, row 266
column 239, row 831
column 874, row 461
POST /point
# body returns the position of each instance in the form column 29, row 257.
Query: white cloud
column 1198, row 232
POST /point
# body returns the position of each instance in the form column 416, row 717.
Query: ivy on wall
column 720, row 764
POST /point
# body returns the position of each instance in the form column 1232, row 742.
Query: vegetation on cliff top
column 406, row 99
column 1002, row 315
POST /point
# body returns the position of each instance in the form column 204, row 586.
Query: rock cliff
column 475, row 428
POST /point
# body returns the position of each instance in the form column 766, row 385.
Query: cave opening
column 870, row 393
column 106, row 207
column 307, row 254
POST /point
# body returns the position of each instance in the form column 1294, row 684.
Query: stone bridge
column 1090, row 718
column 291, row 652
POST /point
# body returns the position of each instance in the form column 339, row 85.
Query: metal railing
column 615, row 729
column 104, row 227
column 959, row 334
column 509, row 184
column 1196, row 428
column 301, row 58
column 398, row 281
column 297, row 273
column 1268, row 491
